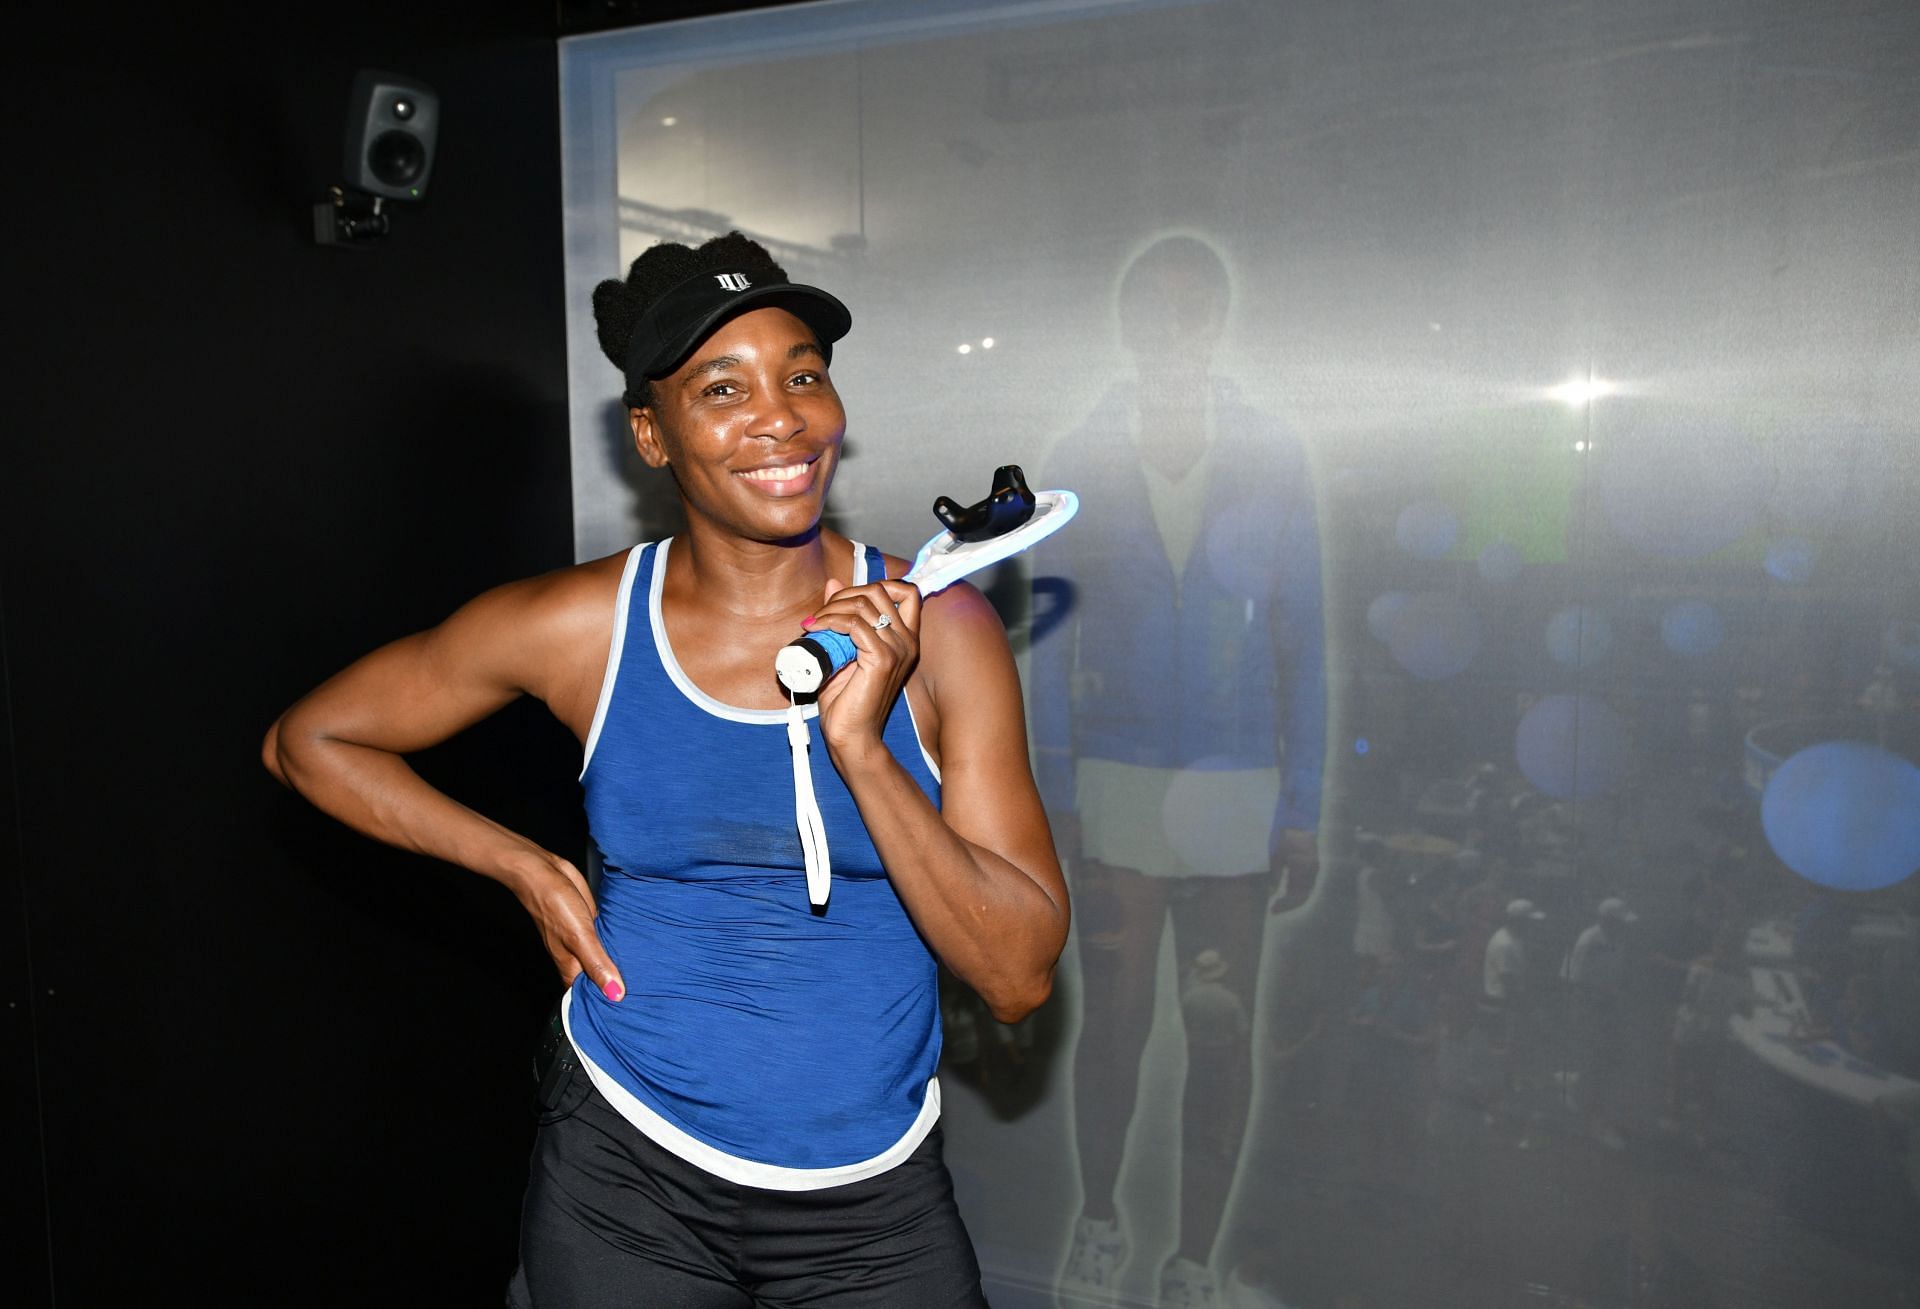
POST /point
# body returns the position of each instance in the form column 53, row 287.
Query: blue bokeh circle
column 1845, row 814
column 1579, row 637
column 1434, row 636
column 1790, row 560
column 1692, row 628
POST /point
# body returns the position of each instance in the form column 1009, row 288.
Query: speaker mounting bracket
column 349, row 218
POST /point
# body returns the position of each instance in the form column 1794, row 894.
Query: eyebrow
column 719, row 363
column 714, row 365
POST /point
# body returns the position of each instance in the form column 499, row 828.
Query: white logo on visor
column 733, row 281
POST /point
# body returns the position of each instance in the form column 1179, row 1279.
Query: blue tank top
column 764, row 1041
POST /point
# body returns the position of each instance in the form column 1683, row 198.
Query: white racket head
column 945, row 559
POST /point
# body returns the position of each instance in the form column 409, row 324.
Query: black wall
column 253, row 1058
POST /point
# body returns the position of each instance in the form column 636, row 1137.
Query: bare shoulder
column 569, row 600
column 961, row 631
column 965, row 605
column 553, row 603
column 546, row 636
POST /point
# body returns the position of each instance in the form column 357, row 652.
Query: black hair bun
column 615, row 311
column 618, row 305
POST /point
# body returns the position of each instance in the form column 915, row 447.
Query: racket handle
column 803, row 666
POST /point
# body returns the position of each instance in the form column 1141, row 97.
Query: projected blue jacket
column 1214, row 673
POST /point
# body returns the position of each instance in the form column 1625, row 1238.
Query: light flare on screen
column 1577, row 392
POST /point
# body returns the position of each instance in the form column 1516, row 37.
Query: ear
column 646, row 436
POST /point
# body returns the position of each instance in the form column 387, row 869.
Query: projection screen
column 1495, row 427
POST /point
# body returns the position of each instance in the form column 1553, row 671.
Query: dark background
column 252, row 1057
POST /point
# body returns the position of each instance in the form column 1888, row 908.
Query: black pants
column 613, row 1221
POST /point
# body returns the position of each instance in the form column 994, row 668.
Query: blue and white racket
column 1008, row 521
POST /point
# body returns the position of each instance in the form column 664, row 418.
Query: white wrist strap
column 813, row 831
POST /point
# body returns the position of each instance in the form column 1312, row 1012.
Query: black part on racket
column 1009, row 505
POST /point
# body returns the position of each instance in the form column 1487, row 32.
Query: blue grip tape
column 804, row 666
column 838, row 648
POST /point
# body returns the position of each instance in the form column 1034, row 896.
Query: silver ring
column 883, row 622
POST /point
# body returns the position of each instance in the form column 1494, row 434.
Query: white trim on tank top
column 719, row 709
column 733, row 1168
column 614, row 648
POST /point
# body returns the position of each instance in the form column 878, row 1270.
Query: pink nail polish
column 807, row 621
column 614, row 991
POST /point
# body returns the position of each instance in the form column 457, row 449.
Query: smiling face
column 750, row 425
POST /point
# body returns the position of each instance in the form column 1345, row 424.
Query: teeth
column 784, row 474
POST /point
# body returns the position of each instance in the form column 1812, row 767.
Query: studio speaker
column 391, row 125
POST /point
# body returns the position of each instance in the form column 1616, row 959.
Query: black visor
column 688, row 313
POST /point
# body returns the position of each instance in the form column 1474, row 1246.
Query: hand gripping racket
column 1008, row 521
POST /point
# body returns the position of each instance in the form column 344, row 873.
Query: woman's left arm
column 978, row 875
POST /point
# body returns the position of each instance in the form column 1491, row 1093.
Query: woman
column 756, row 1108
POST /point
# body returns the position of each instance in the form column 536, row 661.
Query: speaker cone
column 396, row 158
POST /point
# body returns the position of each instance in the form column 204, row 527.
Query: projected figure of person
column 1180, row 724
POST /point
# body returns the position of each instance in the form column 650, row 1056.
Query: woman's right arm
column 343, row 745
